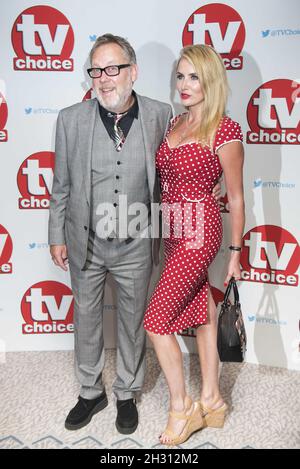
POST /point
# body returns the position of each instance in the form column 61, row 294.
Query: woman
column 200, row 145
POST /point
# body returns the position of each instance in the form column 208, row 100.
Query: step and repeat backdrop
column 44, row 55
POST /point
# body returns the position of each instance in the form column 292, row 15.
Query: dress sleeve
column 229, row 131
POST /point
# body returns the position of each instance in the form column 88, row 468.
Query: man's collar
column 132, row 111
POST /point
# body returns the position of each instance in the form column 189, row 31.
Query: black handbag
column 231, row 338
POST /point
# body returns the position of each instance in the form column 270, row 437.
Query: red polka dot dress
column 192, row 230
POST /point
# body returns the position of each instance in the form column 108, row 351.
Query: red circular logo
column 270, row 254
column 34, row 180
column 273, row 113
column 219, row 26
column 3, row 111
column 6, row 247
column 47, row 307
column 43, row 39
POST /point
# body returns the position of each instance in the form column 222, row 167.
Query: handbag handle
column 232, row 283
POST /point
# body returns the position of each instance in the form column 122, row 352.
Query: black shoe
column 127, row 418
column 84, row 410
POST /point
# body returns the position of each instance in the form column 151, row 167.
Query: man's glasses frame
column 110, row 70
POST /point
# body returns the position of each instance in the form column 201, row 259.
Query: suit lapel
column 86, row 125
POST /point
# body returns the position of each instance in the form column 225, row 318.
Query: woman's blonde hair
column 210, row 69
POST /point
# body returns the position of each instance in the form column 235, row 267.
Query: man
column 97, row 159
column 105, row 148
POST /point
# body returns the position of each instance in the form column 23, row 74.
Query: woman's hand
column 234, row 269
column 216, row 192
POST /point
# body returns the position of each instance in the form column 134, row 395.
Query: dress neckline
column 178, row 146
column 171, row 128
column 188, row 143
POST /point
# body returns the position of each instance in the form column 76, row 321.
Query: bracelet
column 235, row 248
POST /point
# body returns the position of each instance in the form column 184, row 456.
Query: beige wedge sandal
column 213, row 417
column 194, row 422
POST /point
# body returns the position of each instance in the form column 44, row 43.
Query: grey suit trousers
column 130, row 264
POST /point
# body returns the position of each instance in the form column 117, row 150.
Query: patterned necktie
column 118, row 135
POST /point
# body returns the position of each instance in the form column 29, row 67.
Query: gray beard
column 120, row 104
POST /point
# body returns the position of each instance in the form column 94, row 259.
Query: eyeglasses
column 110, row 71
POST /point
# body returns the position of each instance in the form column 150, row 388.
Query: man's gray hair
column 112, row 39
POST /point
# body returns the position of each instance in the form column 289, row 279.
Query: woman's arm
column 232, row 159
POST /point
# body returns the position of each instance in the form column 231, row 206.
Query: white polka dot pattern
column 188, row 174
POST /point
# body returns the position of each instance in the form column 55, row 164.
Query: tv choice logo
column 273, row 114
column 34, row 179
column 221, row 27
column 43, row 40
column 218, row 297
column 47, row 308
column 3, row 118
column 271, row 255
column 6, row 248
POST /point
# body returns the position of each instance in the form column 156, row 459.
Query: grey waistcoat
column 115, row 174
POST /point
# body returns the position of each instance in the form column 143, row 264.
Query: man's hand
column 216, row 192
column 59, row 255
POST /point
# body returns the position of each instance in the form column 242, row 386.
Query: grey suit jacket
column 70, row 201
